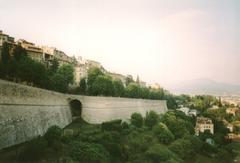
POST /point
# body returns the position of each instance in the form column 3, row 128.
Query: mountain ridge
column 205, row 86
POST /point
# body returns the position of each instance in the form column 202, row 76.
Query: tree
column 24, row 72
column 5, row 60
column 160, row 153
column 53, row 134
column 224, row 156
column 145, row 92
column 171, row 101
column 129, row 79
column 136, row 119
column 163, row 134
column 138, row 80
column 39, row 74
column 54, row 66
column 34, row 150
column 58, row 83
column 83, row 86
column 61, row 80
column 182, row 147
column 195, row 142
column 89, row 152
column 36, row 75
column 19, row 53
column 5, row 53
column 67, row 72
column 118, row 88
column 103, row 85
column 114, row 125
column 151, row 119
column 93, row 73
column 133, row 90
column 178, row 126
column 156, row 94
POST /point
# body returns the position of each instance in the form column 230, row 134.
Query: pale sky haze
column 164, row 41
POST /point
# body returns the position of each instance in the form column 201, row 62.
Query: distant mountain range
column 205, row 86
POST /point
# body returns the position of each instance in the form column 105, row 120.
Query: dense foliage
column 99, row 83
column 155, row 138
column 16, row 65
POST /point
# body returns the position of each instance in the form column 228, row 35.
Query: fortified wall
column 26, row 112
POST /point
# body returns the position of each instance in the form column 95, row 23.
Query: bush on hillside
column 114, row 125
column 89, row 152
column 160, row 153
column 137, row 119
column 34, row 150
column 151, row 119
column 53, row 135
column 163, row 134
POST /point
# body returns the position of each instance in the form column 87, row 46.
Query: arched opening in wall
column 76, row 108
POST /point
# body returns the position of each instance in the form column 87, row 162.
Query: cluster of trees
column 17, row 66
column 199, row 102
column 153, row 138
column 99, row 83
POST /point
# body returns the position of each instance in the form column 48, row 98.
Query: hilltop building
column 91, row 63
column 204, row 124
column 193, row 112
column 185, row 110
column 155, row 86
column 142, row 83
column 188, row 112
column 117, row 76
column 51, row 52
column 82, row 66
column 232, row 111
column 33, row 51
column 233, row 137
column 228, row 125
column 232, row 100
column 5, row 38
column 46, row 55
column 80, row 70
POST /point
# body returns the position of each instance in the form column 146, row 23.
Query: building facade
column 117, row 76
column 80, row 73
column 33, row 51
column 4, row 38
column 204, row 124
column 232, row 111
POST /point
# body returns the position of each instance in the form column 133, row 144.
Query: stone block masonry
column 26, row 112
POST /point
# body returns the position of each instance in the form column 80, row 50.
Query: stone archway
column 76, row 108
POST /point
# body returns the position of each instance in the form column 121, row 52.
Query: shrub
column 163, row 134
column 137, row 119
column 111, row 141
column 53, row 134
column 125, row 125
column 209, row 149
column 159, row 153
column 89, row 152
column 151, row 119
column 34, row 150
column 182, row 147
column 114, row 125
column 224, row 156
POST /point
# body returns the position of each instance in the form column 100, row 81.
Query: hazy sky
column 164, row 41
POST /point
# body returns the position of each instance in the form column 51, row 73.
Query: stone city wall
column 26, row 112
